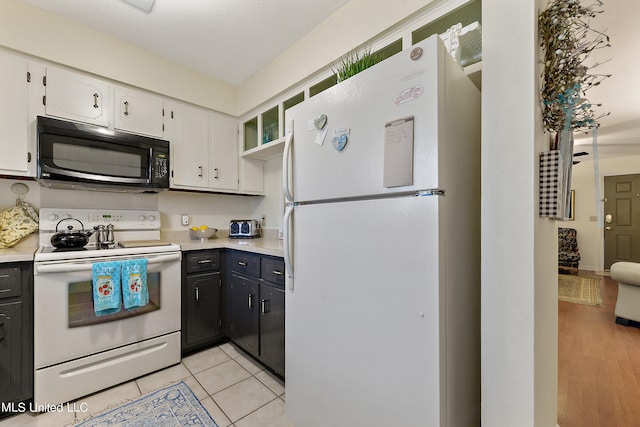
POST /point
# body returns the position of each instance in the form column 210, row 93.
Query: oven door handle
column 66, row 267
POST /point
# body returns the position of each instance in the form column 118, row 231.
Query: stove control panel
column 121, row 219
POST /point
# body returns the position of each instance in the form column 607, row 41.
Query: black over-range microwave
column 84, row 156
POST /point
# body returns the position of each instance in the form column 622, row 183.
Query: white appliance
column 382, row 228
column 77, row 353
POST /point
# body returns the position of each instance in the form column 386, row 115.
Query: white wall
column 31, row 30
column 519, row 281
column 214, row 210
column 353, row 25
column 590, row 234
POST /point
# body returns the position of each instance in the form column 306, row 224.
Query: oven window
column 81, row 311
column 83, row 158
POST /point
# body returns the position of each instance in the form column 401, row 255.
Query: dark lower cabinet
column 245, row 321
column 201, row 299
column 272, row 326
column 16, row 335
column 257, row 299
column 237, row 295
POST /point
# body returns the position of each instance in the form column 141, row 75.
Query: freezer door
column 363, row 319
column 377, row 157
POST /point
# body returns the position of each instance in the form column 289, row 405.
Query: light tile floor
column 235, row 390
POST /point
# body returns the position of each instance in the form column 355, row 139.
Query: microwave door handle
column 89, row 176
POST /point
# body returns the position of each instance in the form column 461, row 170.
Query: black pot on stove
column 70, row 238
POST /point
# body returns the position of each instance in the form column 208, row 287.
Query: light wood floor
column 598, row 364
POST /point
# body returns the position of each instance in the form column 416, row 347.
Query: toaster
column 244, row 229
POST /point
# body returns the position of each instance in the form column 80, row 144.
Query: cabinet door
column 77, row 97
column 245, row 305
column 188, row 130
column 11, row 352
column 272, row 326
column 138, row 112
column 13, row 115
column 223, row 152
column 203, row 307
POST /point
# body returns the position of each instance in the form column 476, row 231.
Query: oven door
column 65, row 325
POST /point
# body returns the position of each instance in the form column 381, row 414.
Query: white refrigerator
column 381, row 175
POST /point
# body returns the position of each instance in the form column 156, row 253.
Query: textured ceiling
column 226, row 39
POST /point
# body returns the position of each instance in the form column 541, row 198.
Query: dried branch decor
column 567, row 41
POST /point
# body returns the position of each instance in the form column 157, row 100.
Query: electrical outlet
column 184, row 218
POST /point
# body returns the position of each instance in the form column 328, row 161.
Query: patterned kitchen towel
column 106, row 287
column 134, row 283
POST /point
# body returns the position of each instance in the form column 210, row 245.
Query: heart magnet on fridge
column 339, row 142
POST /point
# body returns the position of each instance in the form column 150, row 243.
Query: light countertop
column 268, row 245
column 22, row 251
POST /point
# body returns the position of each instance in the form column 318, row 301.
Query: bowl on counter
column 203, row 234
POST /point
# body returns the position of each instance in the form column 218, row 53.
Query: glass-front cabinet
column 263, row 134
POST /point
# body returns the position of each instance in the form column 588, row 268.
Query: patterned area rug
column 175, row 405
column 581, row 290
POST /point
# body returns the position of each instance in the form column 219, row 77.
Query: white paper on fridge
column 398, row 153
column 321, row 133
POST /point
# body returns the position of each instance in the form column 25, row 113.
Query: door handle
column 286, row 234
column 250, row 301
column 264, row 306
column 197, row 294
column 286, row 189
column 608, row 228
column 126, row 108
column 95, row 101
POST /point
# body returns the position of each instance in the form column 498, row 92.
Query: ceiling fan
column 579, row 154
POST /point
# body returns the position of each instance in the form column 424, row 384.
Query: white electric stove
column 77, row 351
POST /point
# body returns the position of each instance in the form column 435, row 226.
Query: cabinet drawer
column 273, row 270
column 203, row 261
column 9, row 282
column 246, row 263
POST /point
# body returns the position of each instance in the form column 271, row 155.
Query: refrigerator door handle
column 286, row 236
column 286, row 190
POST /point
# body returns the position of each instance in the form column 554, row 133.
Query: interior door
column 621, row 219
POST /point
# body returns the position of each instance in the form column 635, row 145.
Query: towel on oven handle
column 135, row 292
column 106, row 287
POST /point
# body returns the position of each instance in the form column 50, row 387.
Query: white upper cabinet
column 137, row 111
column 223, row 152
column 187, row 128
column 204, row 148
column 76, row 97
column 14, row 144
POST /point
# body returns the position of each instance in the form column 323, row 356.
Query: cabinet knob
column 95, row 101
column 250, row 302
column 197, row 294
column 242, row 263
column 126, row 108
column 277, row 273
column 263, row 307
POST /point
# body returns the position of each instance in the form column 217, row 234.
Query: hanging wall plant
column 567, row 42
